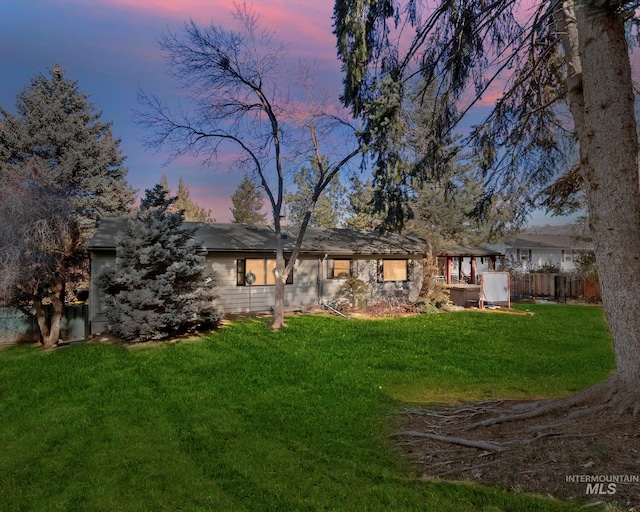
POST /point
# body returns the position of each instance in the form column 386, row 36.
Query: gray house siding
column 230, row 247
column 366, row 269
column 311, row 284
column 100, row 260
column 237, row 299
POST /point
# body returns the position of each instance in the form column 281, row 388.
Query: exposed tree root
column 533, row 446
column 610, row 394
column 483, row 445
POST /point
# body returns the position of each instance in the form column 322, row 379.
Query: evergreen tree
column 159, row 287
column 570, row 56
column 58, row 130
column 247, row 202
column 191, row 211
column 56, row 145
column 164, row 183
column 444, row 212
column 328, row 211
column 360, row 212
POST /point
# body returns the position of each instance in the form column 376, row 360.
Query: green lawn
column 246, row 419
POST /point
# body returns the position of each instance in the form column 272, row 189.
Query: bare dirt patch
column 546, row 455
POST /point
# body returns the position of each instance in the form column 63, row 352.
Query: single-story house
column 558, row 246
column 391, row 264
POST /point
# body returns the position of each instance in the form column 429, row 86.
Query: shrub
column 547, row 268
column 434, row 292
column 354, row 291
column 586, row 264
column 158, row 288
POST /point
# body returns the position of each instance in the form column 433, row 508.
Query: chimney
column 283, row 227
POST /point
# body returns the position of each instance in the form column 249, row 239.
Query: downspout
column 319, row 280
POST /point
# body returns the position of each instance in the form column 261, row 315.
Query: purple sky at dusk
column 111, row 48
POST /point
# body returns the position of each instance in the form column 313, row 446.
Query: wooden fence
column 17, row 326
column 556, row 286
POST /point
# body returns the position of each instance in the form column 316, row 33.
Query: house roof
column 469, row 251
column 354, row 241
column 250, row 238
column 546, row 241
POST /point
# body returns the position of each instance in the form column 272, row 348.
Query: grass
column 245, row 419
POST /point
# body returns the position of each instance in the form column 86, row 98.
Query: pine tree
column 328, row 211
column 571, row 51
column 57, row 144
column 164, row 183
column 247, row 202
column 58, row 130
column 360, row 214
column 191, row 210
column 159, row 287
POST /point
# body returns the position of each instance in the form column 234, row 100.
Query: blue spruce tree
column 159, row 287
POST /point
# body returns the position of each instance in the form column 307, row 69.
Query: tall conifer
column 247, row 203
column 159, row 287
column 57, row 144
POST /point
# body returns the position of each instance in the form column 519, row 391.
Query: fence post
column 87, row 324
column 561, row 288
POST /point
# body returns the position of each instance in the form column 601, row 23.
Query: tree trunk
column 277, row 320
column 57, row 300
column 609, row 164
column 41, row 318
column 50, row 334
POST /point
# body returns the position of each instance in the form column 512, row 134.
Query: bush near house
column 158, row 288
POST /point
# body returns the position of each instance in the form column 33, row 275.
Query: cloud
column 306, row 25
column 183, row 9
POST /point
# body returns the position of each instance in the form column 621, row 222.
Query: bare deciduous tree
column 39, row 245
column 244, row 101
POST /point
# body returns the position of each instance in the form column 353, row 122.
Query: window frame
column 524, row 255
column 241, row 272
column 408, row 270
column 331, row 267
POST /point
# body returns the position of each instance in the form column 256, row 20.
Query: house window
column 264, row 271
column 340, row 269
column 523, row 254
column 394, row 270
column 567, row 255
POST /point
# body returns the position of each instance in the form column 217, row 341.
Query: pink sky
column 111, row 48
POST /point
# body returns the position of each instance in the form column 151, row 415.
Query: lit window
column 264, row 271
column 394, row 270
column 339, row 269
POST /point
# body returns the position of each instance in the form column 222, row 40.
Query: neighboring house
column 390, row 264
column 558, row 246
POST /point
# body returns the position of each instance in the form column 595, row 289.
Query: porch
column 461, row 264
